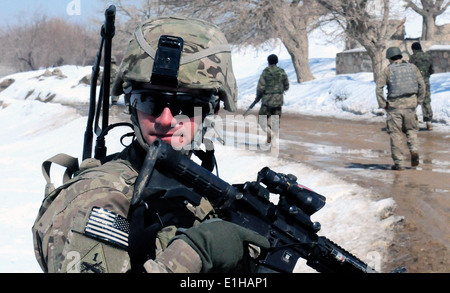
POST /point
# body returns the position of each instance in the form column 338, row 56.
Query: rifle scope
column 306, row 199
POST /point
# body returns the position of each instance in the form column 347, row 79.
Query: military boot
column 429, row 125
column 397, row 167
column 414, row 159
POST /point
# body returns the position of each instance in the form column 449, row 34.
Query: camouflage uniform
column 423, row 61
column 401, row 108
column 272, row 84
column 63, row 234
column 59, row 232
column 82, row 226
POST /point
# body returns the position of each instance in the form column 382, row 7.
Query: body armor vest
column 402, row 80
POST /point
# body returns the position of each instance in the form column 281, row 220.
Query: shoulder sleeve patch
column 93, row 262
column 108, row 226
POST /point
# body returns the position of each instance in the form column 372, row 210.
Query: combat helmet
column 204, row 66
column 205, row 60
column 392, row 52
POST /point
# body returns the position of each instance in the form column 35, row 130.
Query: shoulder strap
column 64, row 160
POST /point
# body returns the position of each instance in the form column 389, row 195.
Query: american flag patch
column 108, row 226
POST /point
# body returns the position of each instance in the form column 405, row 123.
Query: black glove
column 220, row 244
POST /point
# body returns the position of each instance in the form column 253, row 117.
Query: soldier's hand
column 221, row 245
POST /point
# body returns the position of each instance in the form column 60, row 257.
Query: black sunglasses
column 154, row 102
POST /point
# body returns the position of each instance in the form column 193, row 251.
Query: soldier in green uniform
column 86, row 225
column 405, row 90
column 272, row 84
column 423, row 61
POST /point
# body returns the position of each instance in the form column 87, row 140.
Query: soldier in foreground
column 406, row 89
column 423, row 61
column 87, row 225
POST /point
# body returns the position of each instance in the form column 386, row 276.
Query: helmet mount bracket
column 167, row 61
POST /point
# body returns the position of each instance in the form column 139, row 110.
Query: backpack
column 423, row 61
column 274, row 80
column 50, row 250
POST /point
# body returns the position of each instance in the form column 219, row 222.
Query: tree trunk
column 29, row 61
column 429, row 27
column 376, row 52
column 378, row 63
column 298, row 50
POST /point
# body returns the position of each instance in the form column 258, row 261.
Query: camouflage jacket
column 272, row 84
column 82, row 225
column 406, row 102
column 423, row 61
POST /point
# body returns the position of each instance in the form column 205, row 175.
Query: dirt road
column 359, row 152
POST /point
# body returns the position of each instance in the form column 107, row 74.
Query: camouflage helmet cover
column 205, row 60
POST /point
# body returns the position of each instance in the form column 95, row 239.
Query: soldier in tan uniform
column 405, row 90
column 87, row 224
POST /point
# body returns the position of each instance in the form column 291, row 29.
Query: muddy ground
column 359, row 152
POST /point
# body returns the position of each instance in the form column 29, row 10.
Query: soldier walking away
column 272, row 84
column 88, row 225
column 405, row 90
column 423, row 61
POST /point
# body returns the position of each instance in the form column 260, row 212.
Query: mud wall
column 357, row 60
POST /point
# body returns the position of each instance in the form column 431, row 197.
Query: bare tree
column 429, row 11
column 130, row 14
column 368, row 22
column 246, row 22
column 254, row 22
column 44, row 42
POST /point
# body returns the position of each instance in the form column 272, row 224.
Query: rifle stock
column 286, row 225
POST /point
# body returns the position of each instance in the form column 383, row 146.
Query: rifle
column 287, row 225
column 251, row 106
column 107, row 34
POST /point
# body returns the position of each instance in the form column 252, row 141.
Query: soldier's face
column 177, row 131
